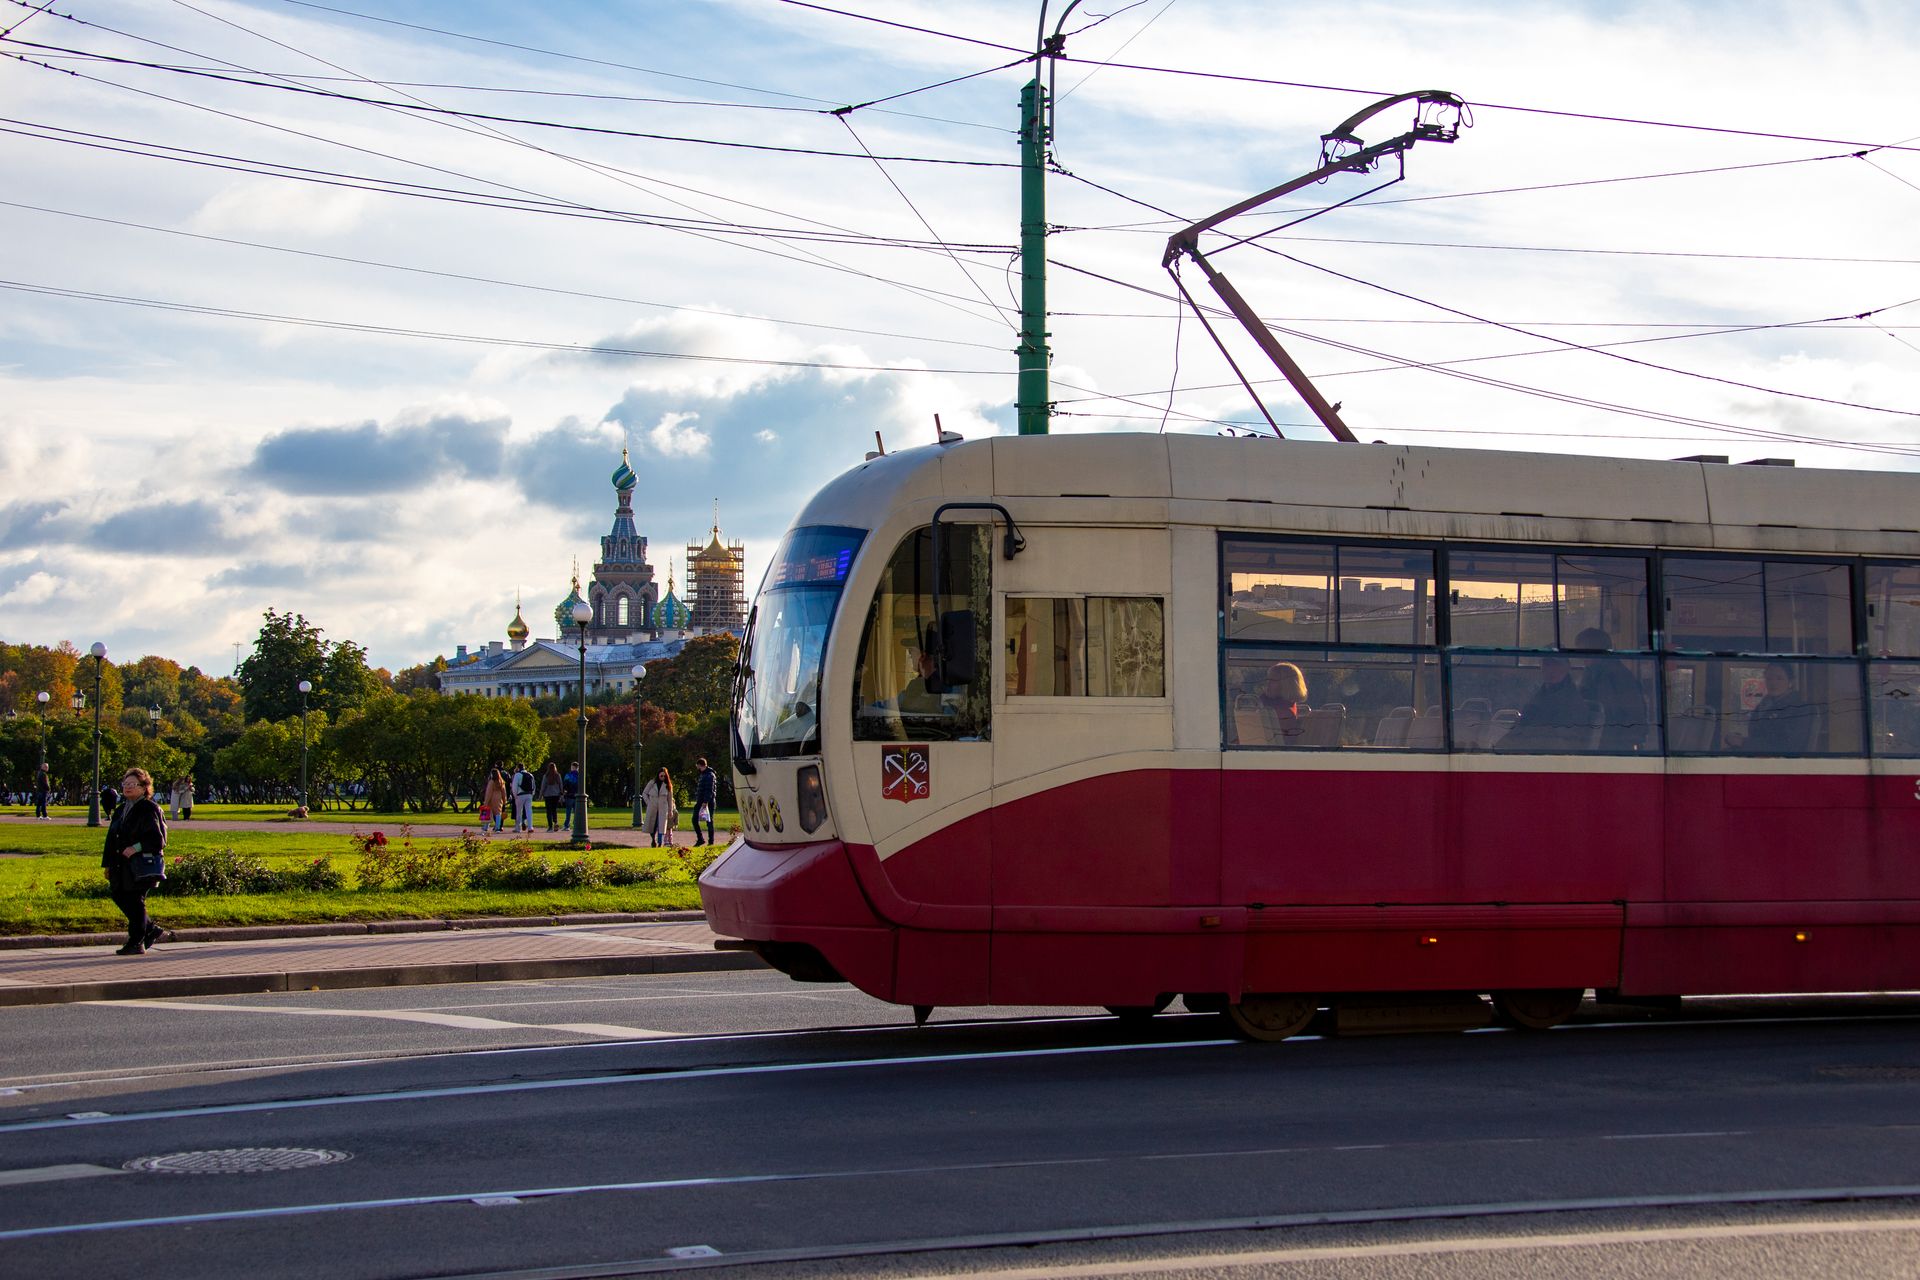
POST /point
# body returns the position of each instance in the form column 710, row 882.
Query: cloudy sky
column 349, row 308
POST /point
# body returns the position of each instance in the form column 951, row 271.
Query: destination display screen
column 816, row 557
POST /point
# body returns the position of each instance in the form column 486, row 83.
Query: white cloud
column 279, row 208
column 35, row 588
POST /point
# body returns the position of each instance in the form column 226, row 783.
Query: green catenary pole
column 1035, row 355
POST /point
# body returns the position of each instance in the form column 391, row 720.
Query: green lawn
column 31, row 900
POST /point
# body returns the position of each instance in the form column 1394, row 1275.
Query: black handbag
column 147, row 866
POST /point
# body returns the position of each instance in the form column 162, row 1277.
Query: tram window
column 1305, row 593
column 1763, row 707
column 1332, row 699
column 1809, row 608
column 1715, row 604
column 1279, row 591
column 1606, row 594
column 1893, row 610
column 1894, row 689
column 1574, row 703
column 891, row 698
column 1099, row 646
column 1386, row 595
column 1501, row 599
column 1753, row 606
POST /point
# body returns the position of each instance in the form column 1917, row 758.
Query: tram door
column 923, row 759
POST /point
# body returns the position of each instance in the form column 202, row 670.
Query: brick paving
column 454, row 952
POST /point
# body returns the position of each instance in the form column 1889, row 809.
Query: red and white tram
column 1276, row 725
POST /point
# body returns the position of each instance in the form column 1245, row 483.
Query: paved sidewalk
column 456, row 951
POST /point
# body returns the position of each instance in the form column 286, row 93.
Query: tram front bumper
column 792, row 899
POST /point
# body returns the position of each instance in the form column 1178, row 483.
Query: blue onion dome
column 623, row 476
column 563, row 612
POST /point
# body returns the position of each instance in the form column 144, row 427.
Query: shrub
column 93, row 887
column 221, row 871
column 318, row 876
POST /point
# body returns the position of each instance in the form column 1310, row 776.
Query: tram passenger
column 1782, row 722
column 1556, row 717
column 917, row 698
column 1281, row 700
column 1606, row 682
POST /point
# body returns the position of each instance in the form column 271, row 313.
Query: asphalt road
column 606, row 1124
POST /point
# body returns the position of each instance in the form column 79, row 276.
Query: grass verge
column 31, row 900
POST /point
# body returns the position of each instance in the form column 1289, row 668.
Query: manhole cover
column 236, row 1160
column 1870, row 1072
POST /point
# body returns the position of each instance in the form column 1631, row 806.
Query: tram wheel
column 1135, row 1013
column 1536, row 1010
column 1272, row 1017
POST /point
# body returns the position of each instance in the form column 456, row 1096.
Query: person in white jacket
column 657, row 808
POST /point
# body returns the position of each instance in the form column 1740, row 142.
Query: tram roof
column 1379, row 478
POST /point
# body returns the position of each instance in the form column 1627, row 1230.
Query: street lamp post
column 42, row 698
column 153, row 719
column 639, row 674
column 305, row 687
column 582, row 615
column 99, row 652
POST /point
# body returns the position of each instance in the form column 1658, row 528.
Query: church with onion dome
column 631, row 622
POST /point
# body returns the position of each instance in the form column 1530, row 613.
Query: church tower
column 623, row 591
column 717, row 582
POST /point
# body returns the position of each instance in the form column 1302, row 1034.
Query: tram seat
column 1324, row 725
column 1427, row 732
column 1473, row 725
column 1393, row 728
column 1692, row 730
column 1248, row 728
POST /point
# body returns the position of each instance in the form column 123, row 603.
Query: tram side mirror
column 953, row 650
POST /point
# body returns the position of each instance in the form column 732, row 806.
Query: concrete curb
column 230, row 984
column 347, row 928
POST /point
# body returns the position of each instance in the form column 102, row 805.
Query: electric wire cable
column 500, row 283
column 402, row 331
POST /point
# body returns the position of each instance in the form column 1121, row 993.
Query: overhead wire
column 624, row 66
column 403, row 331
column 1529, row 390
column 497, row 282
column 618, row 174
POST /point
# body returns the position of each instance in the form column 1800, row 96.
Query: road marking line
column 610, row 1030
column 588, row 1082
column 1132, row 1230
column 55, row 1173
column 463, row 1021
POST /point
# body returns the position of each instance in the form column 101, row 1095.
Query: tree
column 288, row 650
column 424, row 676
column 346, row 681
column 697, row 681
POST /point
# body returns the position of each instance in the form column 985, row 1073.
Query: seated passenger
column 1782, row 722
column 917, row 698
column 1281, row 696
column 1606, row 682
column 1556, row 717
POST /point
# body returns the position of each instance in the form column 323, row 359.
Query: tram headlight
column 813, row 798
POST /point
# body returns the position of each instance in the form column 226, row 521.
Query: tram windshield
column 777, row 703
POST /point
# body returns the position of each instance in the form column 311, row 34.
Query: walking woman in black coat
column 137, row 829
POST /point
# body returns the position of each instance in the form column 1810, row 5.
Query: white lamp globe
column 640, row 671
column 582, row 613
column 305, row 686
column 99, row 649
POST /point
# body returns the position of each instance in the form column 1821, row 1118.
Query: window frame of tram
column 1892, row 622
column 1343, row 602
column 1700, row 653
column 907, row 710
column 1760, row 655
column 1109, row 647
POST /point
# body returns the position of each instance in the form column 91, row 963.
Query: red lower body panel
column 1119, row 889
